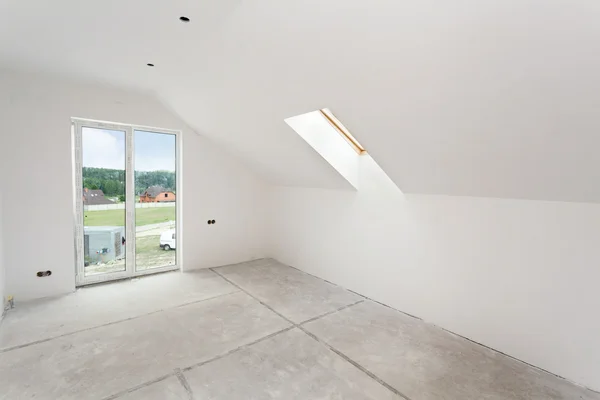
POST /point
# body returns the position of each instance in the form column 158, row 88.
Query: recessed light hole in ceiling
column 150, row 65
column 184, row 19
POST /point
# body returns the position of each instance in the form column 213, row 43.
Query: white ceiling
column 465, row 97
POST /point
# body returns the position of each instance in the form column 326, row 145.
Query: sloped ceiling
column 464, row 97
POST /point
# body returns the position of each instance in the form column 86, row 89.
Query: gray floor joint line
column 111, row 323
column 184, row 383
column 178, row 372
column 254, row 297
column 238, row 348
column 339, row 353
column 133, row 389
column 330, row 312
column 357, row 365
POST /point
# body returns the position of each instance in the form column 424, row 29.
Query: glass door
column 156, row 200
column 125, row 202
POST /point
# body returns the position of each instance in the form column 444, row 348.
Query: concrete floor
column 257, row 330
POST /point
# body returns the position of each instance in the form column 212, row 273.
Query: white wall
column 519, row 276
column 35, row 120
column 2, row 266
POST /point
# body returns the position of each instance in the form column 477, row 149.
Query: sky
column 104, row 148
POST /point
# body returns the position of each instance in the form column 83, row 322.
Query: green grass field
column 150, row 255
column 143, row 216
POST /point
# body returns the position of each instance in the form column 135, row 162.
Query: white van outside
column 167, row 240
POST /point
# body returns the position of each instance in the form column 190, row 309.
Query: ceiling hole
column 150, row 65
column 184, row 19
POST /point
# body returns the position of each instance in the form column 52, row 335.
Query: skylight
column 341, row 129
column 322, row 131
column 331, row 144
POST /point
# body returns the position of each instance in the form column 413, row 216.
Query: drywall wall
column 36, row 115
column 2, row 267
column 519, row 276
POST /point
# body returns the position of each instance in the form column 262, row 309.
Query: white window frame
column 77, row 124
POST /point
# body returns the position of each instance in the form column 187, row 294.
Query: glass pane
column 103, row 153
column 156, row 194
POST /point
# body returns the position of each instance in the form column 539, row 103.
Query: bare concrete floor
column 257, row 330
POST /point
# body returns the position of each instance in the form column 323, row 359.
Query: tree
column 112, row 181
column 110, row 187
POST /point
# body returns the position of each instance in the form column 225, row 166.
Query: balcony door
column 126, row 200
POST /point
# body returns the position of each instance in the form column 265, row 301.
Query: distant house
column 157, row 194
column 94, row 197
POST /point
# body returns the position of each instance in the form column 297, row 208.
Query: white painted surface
column 325, row 140
column 519, row 276
column 2, row 265
column 35, row 117
column 463, row 97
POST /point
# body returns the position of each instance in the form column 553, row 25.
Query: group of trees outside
column 112, row 181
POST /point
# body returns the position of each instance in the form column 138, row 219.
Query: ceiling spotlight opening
column 150, row 65
column 184, row 19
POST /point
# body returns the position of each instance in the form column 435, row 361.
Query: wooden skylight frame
column 343, row 131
